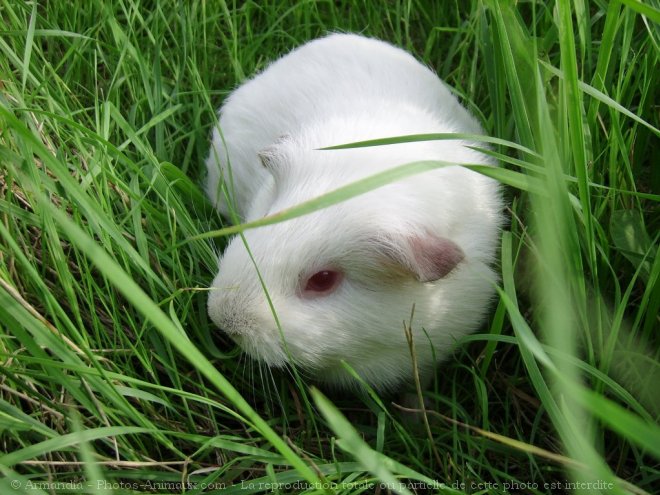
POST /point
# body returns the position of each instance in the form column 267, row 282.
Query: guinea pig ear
column 426, row 256
column 269, row 158
column 270, row 155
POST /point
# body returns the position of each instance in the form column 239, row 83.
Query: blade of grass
column 29, row 41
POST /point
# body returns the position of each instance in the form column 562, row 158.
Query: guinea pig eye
column 322, row 282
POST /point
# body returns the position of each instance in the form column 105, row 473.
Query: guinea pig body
column 342, row 281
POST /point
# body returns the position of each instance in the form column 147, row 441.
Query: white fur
column 339, row 89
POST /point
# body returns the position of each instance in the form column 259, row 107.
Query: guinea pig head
column 333, row 285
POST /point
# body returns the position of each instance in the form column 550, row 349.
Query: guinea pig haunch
column 342, row 280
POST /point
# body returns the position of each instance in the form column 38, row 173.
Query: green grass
column 112, row 375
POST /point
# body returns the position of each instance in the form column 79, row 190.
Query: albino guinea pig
column 337, row 284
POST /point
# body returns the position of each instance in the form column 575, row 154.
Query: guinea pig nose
column 232, row 324
column 229, row 318
column 222, row 321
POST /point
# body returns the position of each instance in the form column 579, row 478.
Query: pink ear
column 431, row 258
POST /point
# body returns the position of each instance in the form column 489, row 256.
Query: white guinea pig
column 343, row 280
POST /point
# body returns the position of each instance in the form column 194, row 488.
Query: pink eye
column 323, row 282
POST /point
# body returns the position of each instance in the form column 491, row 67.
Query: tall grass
column 114, row 379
